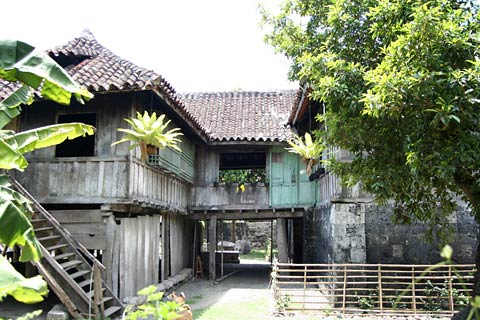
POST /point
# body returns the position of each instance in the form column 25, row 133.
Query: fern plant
column 309, row 151
column 150, row 131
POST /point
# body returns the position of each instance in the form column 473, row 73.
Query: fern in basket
column 150, row 131
column 309, row 151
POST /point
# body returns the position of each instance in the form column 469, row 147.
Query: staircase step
column 70, row 264
column 85, row 283
column 106, row 299
column 38, row 220
column 57, row 246
column 90, row 294
column 42, row 229
column 49, row 238
column 79, row 273
column 110, row 311
column 64, row 255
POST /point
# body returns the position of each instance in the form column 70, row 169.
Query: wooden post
column 97, row 292
column 165, row 247
column 194, row 249
column 221, row 255
column 414, row 299
column 450, row 290
column 282, row 246
column 107, row 259
column 344, row 291
column 380, row 293
column 233, row 231
column 212, row 239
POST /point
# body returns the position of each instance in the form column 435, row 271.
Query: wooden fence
column 371, row 288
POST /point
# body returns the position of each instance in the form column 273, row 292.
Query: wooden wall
column 86, row 226
column 181, row 243
column 132, row 259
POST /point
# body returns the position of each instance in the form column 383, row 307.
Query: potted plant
column 309, row 151
column 149, row 133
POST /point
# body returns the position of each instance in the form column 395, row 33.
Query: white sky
column 197, row 45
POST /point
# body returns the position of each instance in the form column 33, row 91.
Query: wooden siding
column 86, row 226
column 103, row 180
column 182, row 163
column 138, row 255
column 152, row 185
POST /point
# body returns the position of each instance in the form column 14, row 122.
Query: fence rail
column 371, row 288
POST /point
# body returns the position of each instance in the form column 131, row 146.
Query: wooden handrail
column 65, row 234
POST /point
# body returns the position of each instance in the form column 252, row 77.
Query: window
column 242, row 167
column 79, row 147
column 242, row 160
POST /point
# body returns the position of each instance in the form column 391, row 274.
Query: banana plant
column 309, row 151
column 150, row 131
column 32, row 71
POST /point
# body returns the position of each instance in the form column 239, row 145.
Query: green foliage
column 25, row 290
column 242, row 176
column 282, row 302
column 150, row 130
column 153, row 308
column 437, row 297
column 36, row 71
column 400, row 83
column 310, row 149
column 366, row 302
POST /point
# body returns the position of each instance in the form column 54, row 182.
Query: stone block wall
column 392, row 243
column 364, row 233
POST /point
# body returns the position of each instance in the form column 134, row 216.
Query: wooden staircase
column 71, row 271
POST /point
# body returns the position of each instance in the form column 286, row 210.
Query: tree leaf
column 26, row 290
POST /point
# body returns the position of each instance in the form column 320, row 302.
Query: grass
column 235, row 311
column 194, row 299
column 256, row 254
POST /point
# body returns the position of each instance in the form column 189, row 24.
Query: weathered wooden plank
column 85, row 228
column 212, row 241
column 97, row 242
column 282, row 245
column 101, row 173
column 122, row 267
column 107, row 258
column 78, row 216
column 117, row 252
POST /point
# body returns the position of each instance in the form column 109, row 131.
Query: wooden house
column 139, row 218
column 131, row 214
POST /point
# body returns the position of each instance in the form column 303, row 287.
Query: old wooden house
column 140, row 218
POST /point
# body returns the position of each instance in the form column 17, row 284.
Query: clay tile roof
column 250, row 116
column 99, row 70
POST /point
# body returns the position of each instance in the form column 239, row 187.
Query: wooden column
column 282, row 245
column 165, row 247
column 212, row 241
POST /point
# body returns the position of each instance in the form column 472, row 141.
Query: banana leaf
column 34, row 68
column 26, row 290
column 14, row 145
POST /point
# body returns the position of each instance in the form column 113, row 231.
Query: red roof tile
column 250, row 116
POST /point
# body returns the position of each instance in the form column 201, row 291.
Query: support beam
column 282, row 245
column 212, row 241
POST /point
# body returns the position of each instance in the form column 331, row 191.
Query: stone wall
column 392, row 243
column 364, row 233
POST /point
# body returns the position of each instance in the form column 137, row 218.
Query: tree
column 400, row 83
column 36, row 71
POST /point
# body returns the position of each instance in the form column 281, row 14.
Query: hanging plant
column 309, row 151
column 148, row 133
